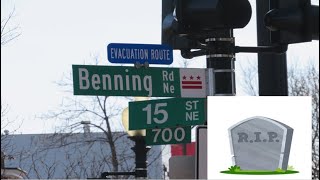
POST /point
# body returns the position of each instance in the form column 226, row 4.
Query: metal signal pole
column 272, row 67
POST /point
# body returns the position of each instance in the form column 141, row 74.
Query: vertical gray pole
column 272, row 68
column 220, row 62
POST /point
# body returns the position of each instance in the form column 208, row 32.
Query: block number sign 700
column 167, row 133
column 157, row 111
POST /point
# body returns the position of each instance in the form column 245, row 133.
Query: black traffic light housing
column 196, row 16
column 186, row 22
column 292, row 21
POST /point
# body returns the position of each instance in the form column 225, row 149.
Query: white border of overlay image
column 223, row 112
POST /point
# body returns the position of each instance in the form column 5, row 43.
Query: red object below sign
column 177, row 149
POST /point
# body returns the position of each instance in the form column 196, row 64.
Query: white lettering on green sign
column 166, row 134
column 192, row 114
column 120, row 82
column 167, row 78
column 156, row 112
column 164, row 113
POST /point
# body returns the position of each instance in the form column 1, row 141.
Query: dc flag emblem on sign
column 193, row 83
column 190, row 83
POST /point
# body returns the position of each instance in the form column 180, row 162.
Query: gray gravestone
column 260, row 143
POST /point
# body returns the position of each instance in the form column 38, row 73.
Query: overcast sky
column 59, row 33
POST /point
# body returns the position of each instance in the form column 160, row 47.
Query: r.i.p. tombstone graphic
column 260, row 143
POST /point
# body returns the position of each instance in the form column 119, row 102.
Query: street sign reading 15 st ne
column 131, row 81
column 164, row 113
column 133, row 53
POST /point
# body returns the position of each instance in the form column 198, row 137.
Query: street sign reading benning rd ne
column 133, row 53
column 130, row 81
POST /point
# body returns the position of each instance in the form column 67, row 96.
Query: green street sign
column 131, row 81
column 176, row 135
column 164, row 113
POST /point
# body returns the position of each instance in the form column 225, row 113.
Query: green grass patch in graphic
column 238, row 170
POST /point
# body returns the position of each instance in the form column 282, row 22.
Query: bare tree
column 102, row 113
column 75, row 155
column 6, row 129
column 5, row 122
column 302, row 81
column 305, row 82
column 48, row 156
column 249, row 78
column 9, row 32
column 97, row 111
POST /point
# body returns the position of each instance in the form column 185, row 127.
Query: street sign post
column 141, row 53
column 175, row 135
column 181, row 167
column 201, row 152
column 164, row 113
column 130, row 81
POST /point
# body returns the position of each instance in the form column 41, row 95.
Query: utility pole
column 272, row 67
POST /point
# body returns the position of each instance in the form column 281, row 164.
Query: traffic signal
column 186, row 21
column 292, row 21
column 169, row 27
column 196, row 16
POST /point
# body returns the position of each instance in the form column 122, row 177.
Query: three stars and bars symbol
column 191, row 82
